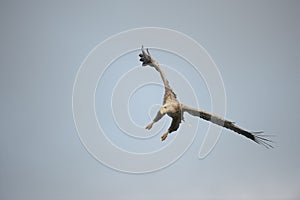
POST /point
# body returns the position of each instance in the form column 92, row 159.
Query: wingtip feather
column 259, row 138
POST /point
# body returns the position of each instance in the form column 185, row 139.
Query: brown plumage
column 175, row 110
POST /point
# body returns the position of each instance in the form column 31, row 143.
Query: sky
column 255, row 47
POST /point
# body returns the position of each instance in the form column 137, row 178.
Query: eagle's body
column 173, row 108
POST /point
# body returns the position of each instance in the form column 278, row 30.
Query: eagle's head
column 170, row 108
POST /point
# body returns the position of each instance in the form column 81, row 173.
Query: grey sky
column 255, row 45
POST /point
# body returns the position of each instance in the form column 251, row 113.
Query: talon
column 164, row 136
column 149, row 126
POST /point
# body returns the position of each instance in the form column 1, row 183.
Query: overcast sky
column 255, row 46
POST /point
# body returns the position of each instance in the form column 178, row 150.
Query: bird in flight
column 174, row 109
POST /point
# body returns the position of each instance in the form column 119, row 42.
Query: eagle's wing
column 255, row 136
column 146, row 59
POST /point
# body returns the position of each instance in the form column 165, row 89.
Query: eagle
column 174, row 109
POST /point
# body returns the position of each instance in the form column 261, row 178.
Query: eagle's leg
column 157, row 118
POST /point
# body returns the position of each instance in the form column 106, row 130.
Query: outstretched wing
column 146, row 59
column 255, row 136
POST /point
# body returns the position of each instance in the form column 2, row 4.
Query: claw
column 149, row 126
column 164, row 136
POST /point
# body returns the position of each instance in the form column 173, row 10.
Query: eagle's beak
column 162, row 111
